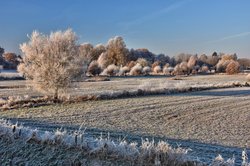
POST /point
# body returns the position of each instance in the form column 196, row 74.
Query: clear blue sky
column 162, row 26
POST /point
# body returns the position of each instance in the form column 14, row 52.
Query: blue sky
column 162, row 26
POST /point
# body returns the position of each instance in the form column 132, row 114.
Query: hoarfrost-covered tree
column 86, row 50
column 97, row 51
column 117, row 52
column 103, row 60
column 233, row 67
column 90, row 52
column 192, row 62
column 94, row 68
column 52, row 61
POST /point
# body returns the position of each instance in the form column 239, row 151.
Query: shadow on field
column 219, row 92
column 203, row 151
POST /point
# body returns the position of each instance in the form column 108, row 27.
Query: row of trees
column 9, row 60
column 115, row 59
column 53, row 61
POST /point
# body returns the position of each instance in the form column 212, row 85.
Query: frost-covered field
column 21, row 88
column 214, row 116
column 218, row 116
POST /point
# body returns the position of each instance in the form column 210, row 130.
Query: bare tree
column 1, row 51
column 52, row 61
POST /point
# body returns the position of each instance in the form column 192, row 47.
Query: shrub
column 233, row 67
column 157, row 69
column 191, row 63
column 222, row 65
column 94, row 68
column 131, row 64
column 181, row 68
column 204, row 69
column 123, row 70
column 11, row 59
column 146, row 70
column 184, row 66
column 136, row 70
column 165, row 69
column 52, row 62
column 143, row 62
column 178, row 70
column 248, row 77
column 156, row 63
column 111, row 70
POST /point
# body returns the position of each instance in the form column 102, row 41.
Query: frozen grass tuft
column 220, row 161
column 148, row 153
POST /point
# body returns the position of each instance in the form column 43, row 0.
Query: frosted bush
column 192, row 62
column 136, row 70
column 165, row 69
column 248, row 77
column 111, row 70
column 143, row 62
column 204, row 69
column 146, row 70
column 123, row 70
column 157, row 69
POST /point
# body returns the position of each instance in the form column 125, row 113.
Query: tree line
column 53, row 61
